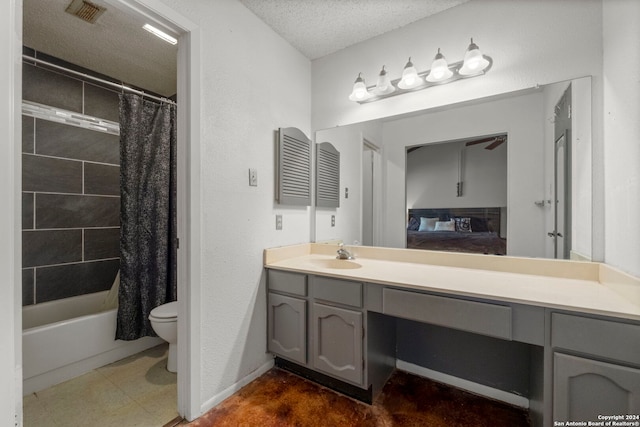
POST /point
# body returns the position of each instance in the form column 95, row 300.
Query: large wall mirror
column 517, row 165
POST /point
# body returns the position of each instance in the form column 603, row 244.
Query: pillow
column 414, row 224
column 445, row 226
column 463, row 224
column 427, row 224
column 479, row 225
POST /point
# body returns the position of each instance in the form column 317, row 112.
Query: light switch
column 333, row 220
column 253, row 177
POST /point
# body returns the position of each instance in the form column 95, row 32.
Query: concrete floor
column 282, row 399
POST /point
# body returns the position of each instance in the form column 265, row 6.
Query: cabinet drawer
column 604, row 338
column 338, row 291
column 482, row 318
column 291, row 283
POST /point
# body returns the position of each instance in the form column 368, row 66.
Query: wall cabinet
column 338, row 342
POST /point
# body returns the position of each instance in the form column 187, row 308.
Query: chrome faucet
column 343, row 253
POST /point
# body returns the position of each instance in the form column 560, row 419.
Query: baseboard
column 483, row 390
column 218, row 398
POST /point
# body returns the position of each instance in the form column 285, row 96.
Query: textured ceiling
column 116, row 45
column 320, row 27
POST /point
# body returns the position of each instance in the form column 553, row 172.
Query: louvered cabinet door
column 327, row 176
column 293, row 186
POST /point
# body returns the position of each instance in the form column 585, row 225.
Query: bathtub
column 66, row 338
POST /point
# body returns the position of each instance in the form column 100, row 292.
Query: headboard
column 482, row 219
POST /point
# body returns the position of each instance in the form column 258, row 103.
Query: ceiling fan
column 494, row 141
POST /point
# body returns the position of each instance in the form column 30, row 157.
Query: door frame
column 370, row 144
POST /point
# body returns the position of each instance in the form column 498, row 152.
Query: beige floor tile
column 136, row 391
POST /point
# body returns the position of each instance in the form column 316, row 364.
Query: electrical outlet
column 278, row 222
column 346, row 192
column 333, row 220
column 253, row 177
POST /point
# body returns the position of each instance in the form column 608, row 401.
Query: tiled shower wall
column 70, row 191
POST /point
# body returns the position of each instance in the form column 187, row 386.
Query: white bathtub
column 69, row 337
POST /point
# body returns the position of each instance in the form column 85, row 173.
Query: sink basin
column 341, row 264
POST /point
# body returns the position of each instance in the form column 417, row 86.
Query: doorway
column 371, row 193
column 188, row 81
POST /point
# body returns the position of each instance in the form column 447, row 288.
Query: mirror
column 545, row 210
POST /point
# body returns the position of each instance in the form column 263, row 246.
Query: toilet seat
column 165, row 312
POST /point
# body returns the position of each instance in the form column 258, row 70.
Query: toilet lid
column 165, row 311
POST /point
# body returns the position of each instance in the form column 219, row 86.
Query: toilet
column 164, row 320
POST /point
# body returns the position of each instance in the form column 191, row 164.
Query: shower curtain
column 148, row 240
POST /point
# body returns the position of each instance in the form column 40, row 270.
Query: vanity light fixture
column 161, row 34
column 474, row 64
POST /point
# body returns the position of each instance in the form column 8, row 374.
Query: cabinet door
column 287, row 326
column 338, row 337
column 585, row 388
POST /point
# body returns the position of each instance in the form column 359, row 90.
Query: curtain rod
column 96, row 79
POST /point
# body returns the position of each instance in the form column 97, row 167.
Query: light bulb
column 360, row 92
column 439, row 69
column 384, row 85
column 474, row 61
column 410, row 77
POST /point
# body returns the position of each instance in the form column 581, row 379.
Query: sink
column 342, row 264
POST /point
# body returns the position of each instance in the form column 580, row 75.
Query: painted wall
column 521, row 118
column 432, row 175
column 253, row 82
column 622, row 133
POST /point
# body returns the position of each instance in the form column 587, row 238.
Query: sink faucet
column 343, row 253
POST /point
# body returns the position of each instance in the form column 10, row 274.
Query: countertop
column 583, row 287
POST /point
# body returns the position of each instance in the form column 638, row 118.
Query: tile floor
column 136, row 391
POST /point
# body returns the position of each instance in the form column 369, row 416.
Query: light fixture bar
column 161, row 34
column 455, row 68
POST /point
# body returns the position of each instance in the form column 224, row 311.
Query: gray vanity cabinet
column 287, row 316
column 585, row 388
column 338, row 342
column 596, row 367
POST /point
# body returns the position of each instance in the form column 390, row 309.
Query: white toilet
column 164, row 320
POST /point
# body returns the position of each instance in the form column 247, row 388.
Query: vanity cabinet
column 338, row 342
column 596, row 367
column 287, row 315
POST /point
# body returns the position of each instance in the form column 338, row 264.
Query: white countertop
column 618, row 296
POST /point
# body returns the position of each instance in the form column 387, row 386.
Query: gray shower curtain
column 147, row 213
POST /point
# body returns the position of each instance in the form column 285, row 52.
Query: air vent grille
column 294, row 168
column 85, row 10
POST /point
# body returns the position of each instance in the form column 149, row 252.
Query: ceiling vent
column 85, row 10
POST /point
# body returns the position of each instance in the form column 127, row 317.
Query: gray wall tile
column 66, row 281
column 50, row 88
column 51, row 175
column 28, row 277
column 71, row 142
column 101, row 179
column 101, row 243
column 101, row 103
column 28, row 132
column 46, row 247
column 27, row 211
column 69, row 211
